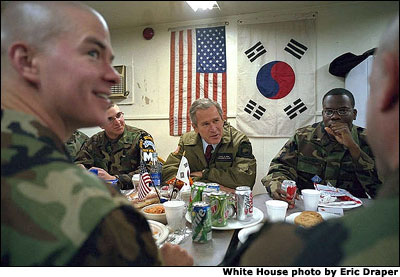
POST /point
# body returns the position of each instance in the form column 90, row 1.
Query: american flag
column 198, row 70
column 144, row 182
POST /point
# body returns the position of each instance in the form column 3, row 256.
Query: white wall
column 341, row 28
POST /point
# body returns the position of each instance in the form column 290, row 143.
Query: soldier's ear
column 24, row 60
column 195, row 128
column 390, row 83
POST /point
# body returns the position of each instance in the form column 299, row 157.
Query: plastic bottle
column 155, row 171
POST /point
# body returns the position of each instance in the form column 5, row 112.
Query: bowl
column 160, row 217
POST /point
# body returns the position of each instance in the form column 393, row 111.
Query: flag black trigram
column 298, row 106
column 255, row 51
column 258, row 112
column 295, row 48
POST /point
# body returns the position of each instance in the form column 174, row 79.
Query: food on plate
column 150, row 198
column 308, row 219
column 154, row 231
column 159, row 209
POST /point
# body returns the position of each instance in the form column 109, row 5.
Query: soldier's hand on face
column 174, row 255
column 341, row 132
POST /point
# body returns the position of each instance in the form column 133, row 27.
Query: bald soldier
column 56, row 77
column 216, row 152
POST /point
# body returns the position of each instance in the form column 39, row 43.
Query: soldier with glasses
column 334, row 149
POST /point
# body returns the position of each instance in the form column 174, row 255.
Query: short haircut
column 340, row 91
column 202, row 104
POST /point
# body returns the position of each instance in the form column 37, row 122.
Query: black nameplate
column 224, row 157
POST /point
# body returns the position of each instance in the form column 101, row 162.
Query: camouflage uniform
column 120, row 157
column 55, row 213
column 74, row 143
column 232, row 163
column 311, row 152
column 367, row 236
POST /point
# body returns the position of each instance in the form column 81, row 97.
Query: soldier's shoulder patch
column 245, row 150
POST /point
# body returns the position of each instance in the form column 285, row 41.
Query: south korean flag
column 276, row 77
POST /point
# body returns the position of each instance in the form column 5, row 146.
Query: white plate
column 235, row 224
column 245, row 232
column 325, row 216
column 346, row 206
column 160, row 231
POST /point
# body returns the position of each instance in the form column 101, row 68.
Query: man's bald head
column 37, row 23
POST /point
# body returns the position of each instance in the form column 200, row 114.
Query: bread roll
column 308, row 219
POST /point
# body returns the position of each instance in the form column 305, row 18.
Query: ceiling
column 119, row 14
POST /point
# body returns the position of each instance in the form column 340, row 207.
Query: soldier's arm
column 145, row 144
column 84, row 155
column 123, row 238
column 365, row 170
column 171, row 165
column 283, row 166
column 241, row 173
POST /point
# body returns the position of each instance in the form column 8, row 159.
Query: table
column 213, row 252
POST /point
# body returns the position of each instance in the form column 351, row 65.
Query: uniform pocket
column 310, row 165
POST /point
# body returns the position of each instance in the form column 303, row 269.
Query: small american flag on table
column 144, row 181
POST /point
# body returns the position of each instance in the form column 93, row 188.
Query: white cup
column 175, row 212
column 311, row 199
column 276, row 210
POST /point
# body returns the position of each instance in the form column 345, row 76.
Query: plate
column 245, row 232
column 325, row 216
column 336, row 204
column 160, row 231
column 235, row 224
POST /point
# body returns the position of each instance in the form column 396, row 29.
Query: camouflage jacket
column 311, row 152
column 119, row 157
column 232, row 163
column 55, row 213
column 74, row 143
column 367, row 236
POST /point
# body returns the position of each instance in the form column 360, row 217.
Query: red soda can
column 290, row 188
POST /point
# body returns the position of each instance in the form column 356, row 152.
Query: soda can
column 244, row 203
column 196, row 193
column 219, row 211
column 205, row 197
column 213, row 186
column 201, row 222
column 231, row 207
column 290, row 188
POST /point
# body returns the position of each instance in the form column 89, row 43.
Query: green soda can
column 201, row 222
column 196, row 194
column 219, row 209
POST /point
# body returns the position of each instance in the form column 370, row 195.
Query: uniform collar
column 205, row 144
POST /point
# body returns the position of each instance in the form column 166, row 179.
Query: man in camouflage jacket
column 367, row 236
column 56, row 77
column 231, row 163
column 334, row 150
column 75, row 142
column 117, row 151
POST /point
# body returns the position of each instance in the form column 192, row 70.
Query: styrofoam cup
column 311, row 199
column 276, row 210
column 175, row 212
